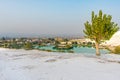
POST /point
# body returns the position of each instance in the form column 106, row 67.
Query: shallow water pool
column 78, row 50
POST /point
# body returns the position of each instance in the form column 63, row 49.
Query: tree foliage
column 100, row 28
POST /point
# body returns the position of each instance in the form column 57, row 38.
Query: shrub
column 49, row 50
column 71, row 51
column 117, row 50
column 28, row 46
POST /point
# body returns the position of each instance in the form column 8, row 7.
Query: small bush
column 49, row 50
column 117, row 50
column 28, row 46
column 71, row 51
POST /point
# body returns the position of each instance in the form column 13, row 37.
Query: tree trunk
column 97, row 49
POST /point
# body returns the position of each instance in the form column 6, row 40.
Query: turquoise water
column 79, row 50
column 87, row 50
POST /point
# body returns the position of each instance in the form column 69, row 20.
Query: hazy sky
column 51, row 17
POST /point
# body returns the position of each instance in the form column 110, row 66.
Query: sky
column 51, row 17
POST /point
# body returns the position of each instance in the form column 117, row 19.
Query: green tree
column 100, row 28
